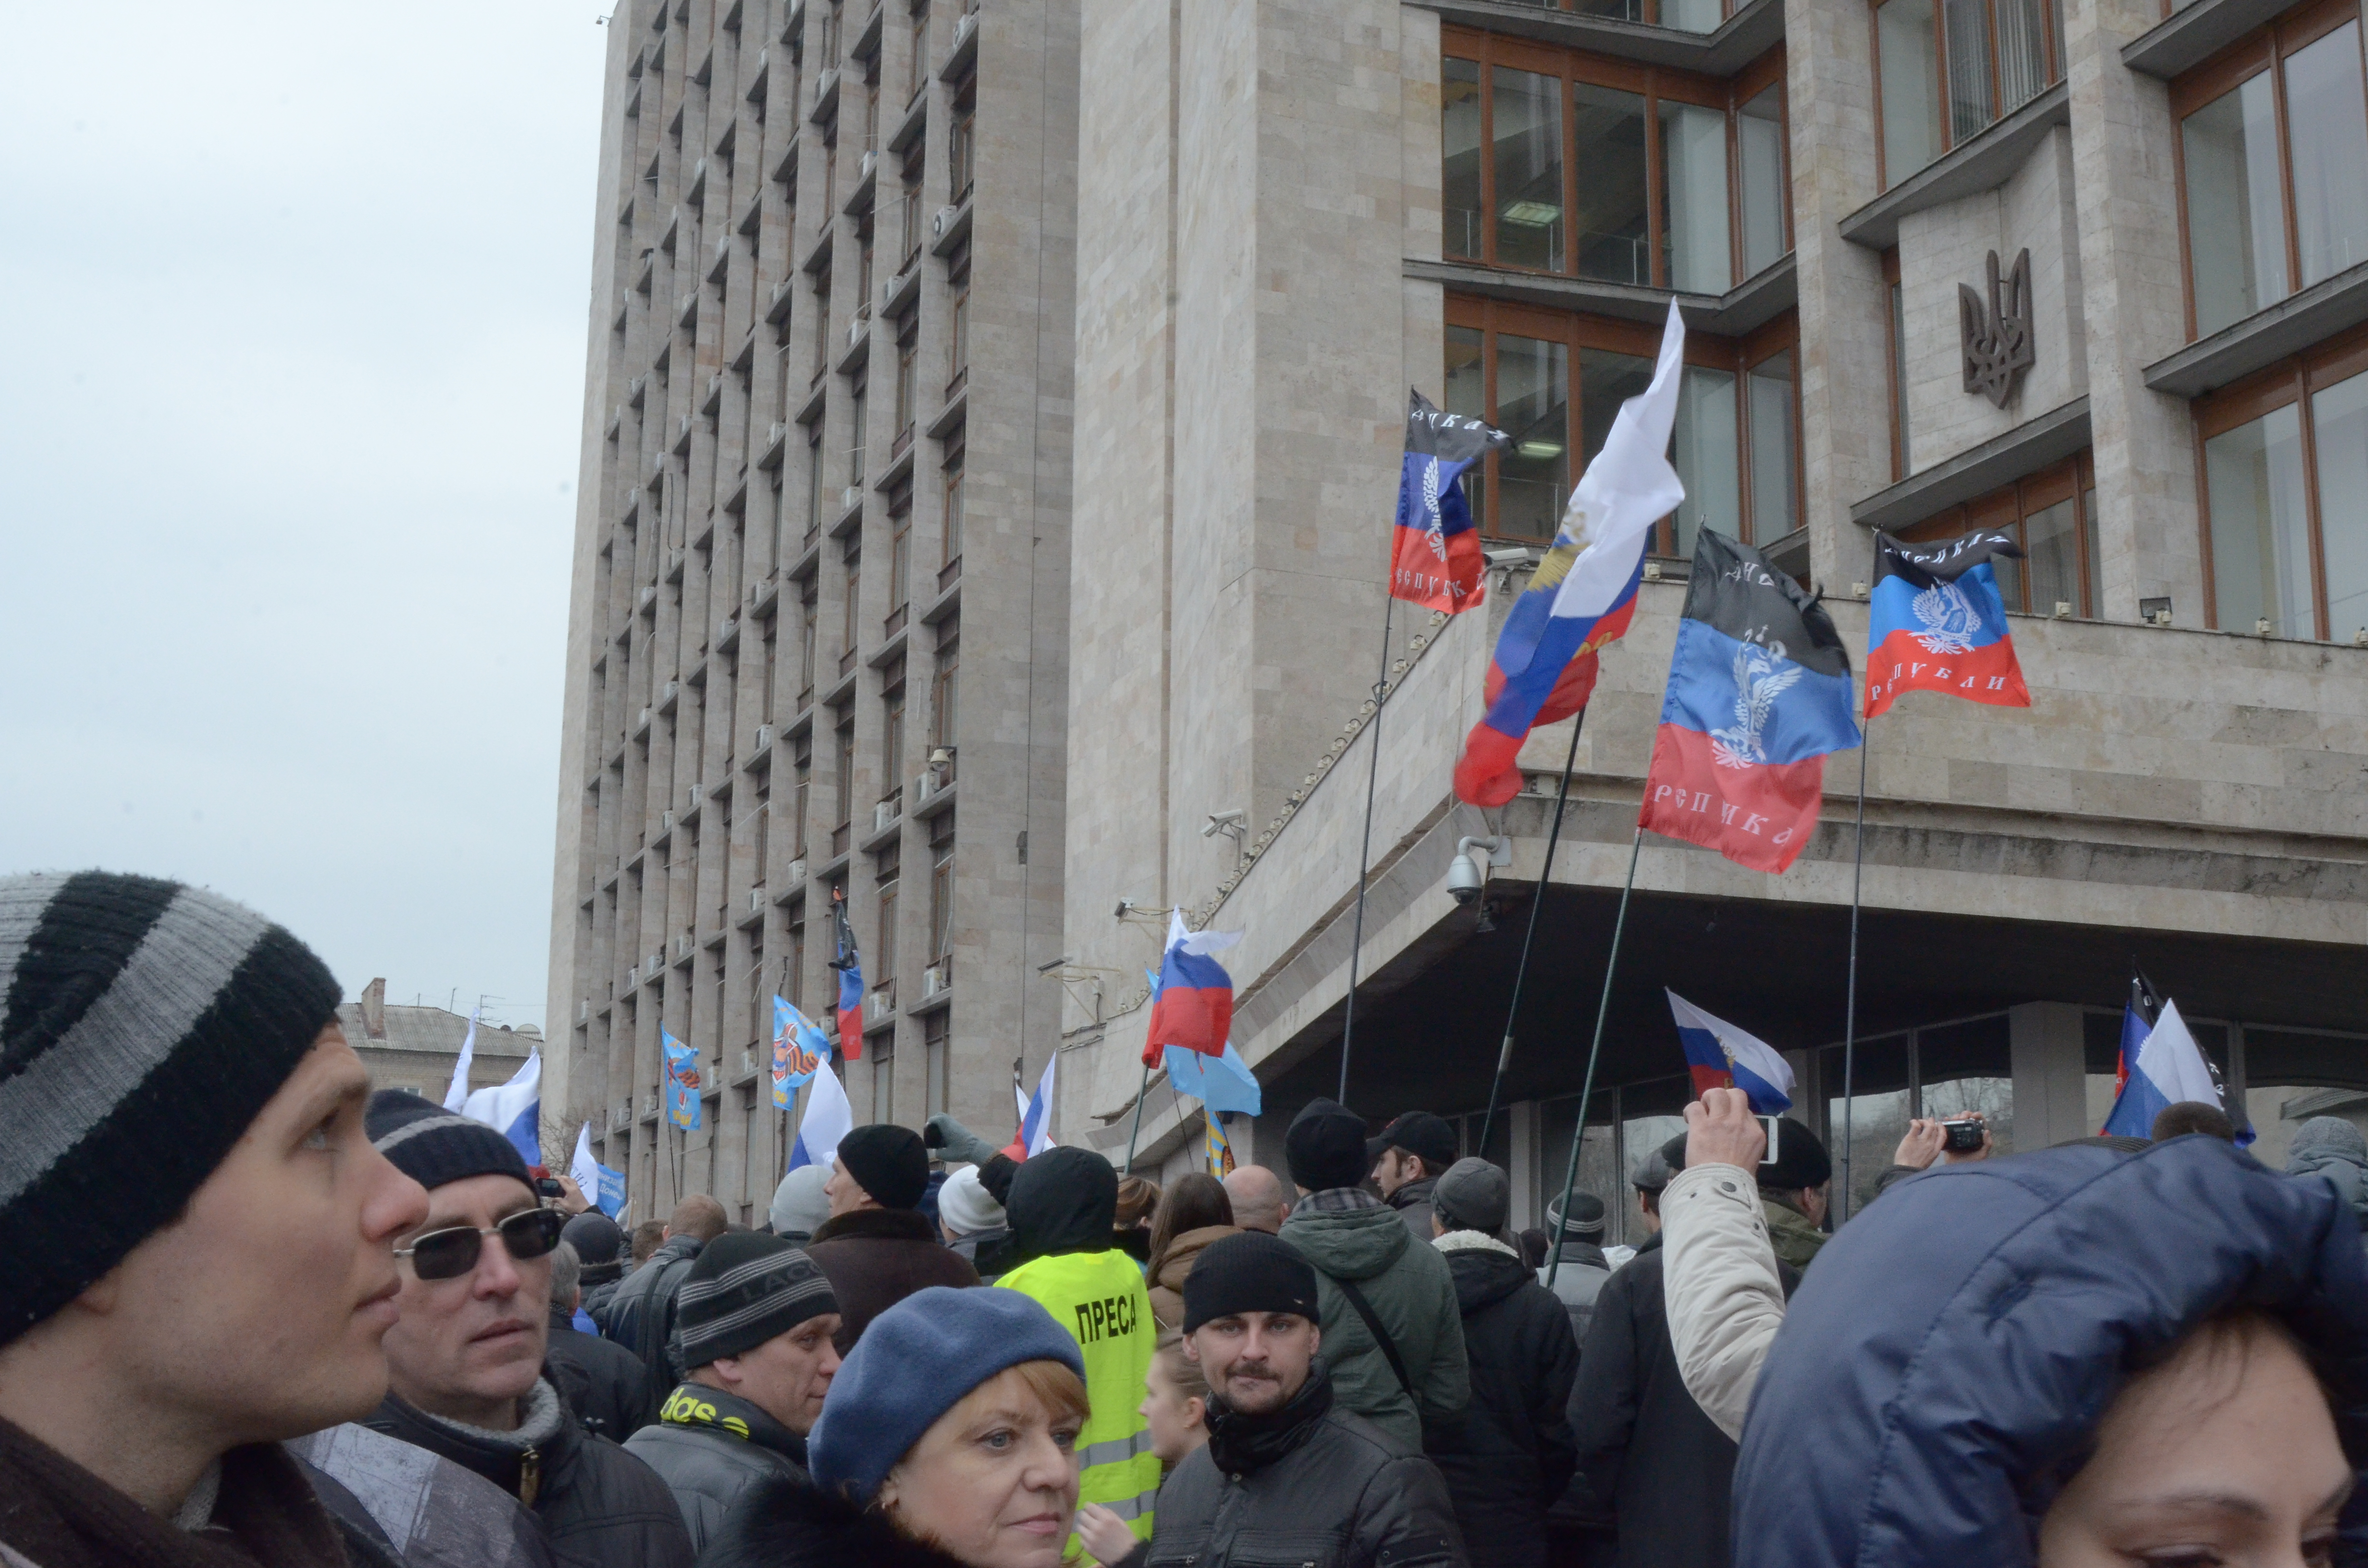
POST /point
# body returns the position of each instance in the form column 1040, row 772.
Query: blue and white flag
column 827, row 1119
column 798, row 1048
column 1220, row 1084
column 603, row 1186
column 514, row 1109
column 1721, row 1056
column 685, row 1101
column 455, row 1096
column 2166, row 1069
column 1036, row 1121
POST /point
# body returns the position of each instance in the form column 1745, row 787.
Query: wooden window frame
column 1651, row 83
column 2266, row 48
column 2284, row 384
column 2011, row 505
column 1576, row 332
column 2049, row 26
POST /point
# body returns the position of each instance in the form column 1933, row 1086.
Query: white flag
column 456, row 1098
column 827, row 1119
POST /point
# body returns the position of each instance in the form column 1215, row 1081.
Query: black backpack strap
column 1364, row 1310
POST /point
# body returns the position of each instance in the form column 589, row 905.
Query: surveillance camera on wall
column 1463, row 882
column 1514, row 557
column 1220, row 821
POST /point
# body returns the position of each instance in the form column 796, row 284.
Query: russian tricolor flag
column 849, row 964
column 1936, row 622
column 1193, row 1007
column 1584, row 593
column 1721, row 1056
column 1435, row 559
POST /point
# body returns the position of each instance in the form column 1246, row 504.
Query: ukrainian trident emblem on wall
column 1997, row 334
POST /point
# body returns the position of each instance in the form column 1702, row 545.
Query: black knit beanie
column 889, row 1162
column 432, row 1146
column 143, row 1024
column 746, row 1288
column 599, row 1245
column 1252, row 1272
column 1325, row 1146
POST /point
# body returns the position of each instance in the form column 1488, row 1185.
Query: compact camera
column 1962, row 1136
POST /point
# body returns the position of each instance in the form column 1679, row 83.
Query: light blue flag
column 1222, row 1084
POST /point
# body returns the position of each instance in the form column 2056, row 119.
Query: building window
column 908, row 348
column 1670, row 181
column 2273, row 164
column 1736, row 442
column 900, row 557
column 855, row 417
column 845, row 779
column 822, row 325
column 813, row 476
column 911, row 217
column 1895, row 331
column 809, row 614
column 2052, row 514
column 958, row 323
column 1955, row 1069
column 2286, row 496
column 852, row 596
column 793, row 964
column 944, row 733
column 883, row 951
column 962, row 143
column 936, row 1047
column 882, row 1049
column 950, row 564
column 916, row 58
column 941, row 886
column 802, row 786
column 892, row 736
column 1945, row 70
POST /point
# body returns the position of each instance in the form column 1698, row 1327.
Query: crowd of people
column 256, row 1315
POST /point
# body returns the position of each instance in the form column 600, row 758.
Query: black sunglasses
column 449, row 1254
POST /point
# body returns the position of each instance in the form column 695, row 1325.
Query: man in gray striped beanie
column 755, row 1325
column 195, row 1236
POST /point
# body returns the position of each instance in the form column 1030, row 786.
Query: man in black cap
column 1284, row 1466
column 465, row 1356
column 1793, row 1180
column 1388, row 1302
column 1408, row 1158
column 877, row 1247
column 755, row 1321
column 599, row 1245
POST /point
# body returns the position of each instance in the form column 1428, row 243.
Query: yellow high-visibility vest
column 1100, row 1298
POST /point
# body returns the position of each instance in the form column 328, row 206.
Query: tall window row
column 1946, row 70
column 1557, row 161
column 2052, row 514
column 1554, row 381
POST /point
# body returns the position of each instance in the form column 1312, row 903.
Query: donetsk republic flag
column 1435, row 559
column 1759, row 691
column 1937, row 623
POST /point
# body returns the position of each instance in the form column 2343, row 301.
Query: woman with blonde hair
column 948, row 1440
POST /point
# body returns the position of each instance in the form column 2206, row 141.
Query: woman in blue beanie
column 948, row 1437
column 2070, row 1357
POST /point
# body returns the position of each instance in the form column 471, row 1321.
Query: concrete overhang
column 2197, row 32
column 1752, row 31
column 2028, row 448
column 1984, row 163
column 1752, row 304
column 2262, row 339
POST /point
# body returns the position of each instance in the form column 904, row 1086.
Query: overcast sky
column 293, row 341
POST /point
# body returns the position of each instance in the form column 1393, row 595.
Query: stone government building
column 1090, row 326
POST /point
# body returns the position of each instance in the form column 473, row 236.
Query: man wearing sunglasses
column 465, row 1356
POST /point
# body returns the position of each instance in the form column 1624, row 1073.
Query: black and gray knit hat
column 432, row 1146
column 143, row 1024
column 745, row 1288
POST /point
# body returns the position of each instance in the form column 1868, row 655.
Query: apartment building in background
column 415, row 1048
column 817, row 639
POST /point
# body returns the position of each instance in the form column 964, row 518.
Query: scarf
column 1241, row 1443
column 61, row 1515
column 704, row 1409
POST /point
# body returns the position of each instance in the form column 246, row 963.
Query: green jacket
column 1794, row 1238
column 1412, row 1292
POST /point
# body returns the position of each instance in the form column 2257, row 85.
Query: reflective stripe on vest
column 1100, row 1298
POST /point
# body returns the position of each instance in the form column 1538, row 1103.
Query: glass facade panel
column 2022, row 52
column 1971, row 103
column 1611, row 237
column 1775, row 456
column 2327, row 125
column 2260, row 552
column 1760, row 155
column 2339, row 418
column 1467, row 395
column 1527, row 125
column 2235, row 229
column 1704, row 456
column 1877, row 1110
column 2051, row 545
column 1691, row 15
column 1908, row 57
column 1459, row 134
column 1533, row 408
column 1606, row 380
column 1694, row 199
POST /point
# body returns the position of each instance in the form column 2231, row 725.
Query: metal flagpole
column 1587, row 1088
column 1521, row 972
column 1849, row 1007
column 1365, row 853
column 1141, row 1091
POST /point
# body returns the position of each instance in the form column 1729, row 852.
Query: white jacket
column 1726, row 1301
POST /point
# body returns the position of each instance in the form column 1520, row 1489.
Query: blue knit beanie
column 915, row 1361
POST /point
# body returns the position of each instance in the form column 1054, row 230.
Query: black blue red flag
column 1759, row 691
column 1435, row 559
column 849, row 964
column 1937, row 623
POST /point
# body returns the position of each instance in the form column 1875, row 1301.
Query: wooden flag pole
column 1849, row 1006
column 1521, row 972
column 1365, row 851
column 1586, row 1087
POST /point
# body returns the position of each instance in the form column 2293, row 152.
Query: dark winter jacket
column 710, row 1447
column 1958, row 1341
column 794, row 1523
column 1413, row 1203
column 601, row 1506
column 1311, row 1486
column 431, row 1512
column 1410, row 1290
column 1165, row 1276
column 640, row 1316
column 606, row 1384
column 875, row 1257
column 1510, row 1456
column 988, row 1251
column 1650, row 1459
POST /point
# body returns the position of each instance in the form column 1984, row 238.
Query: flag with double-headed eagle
column 1584, row 593
column 1435, row 559
column 1937, row 622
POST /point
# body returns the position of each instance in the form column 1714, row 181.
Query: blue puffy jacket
column 1957, row 1343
